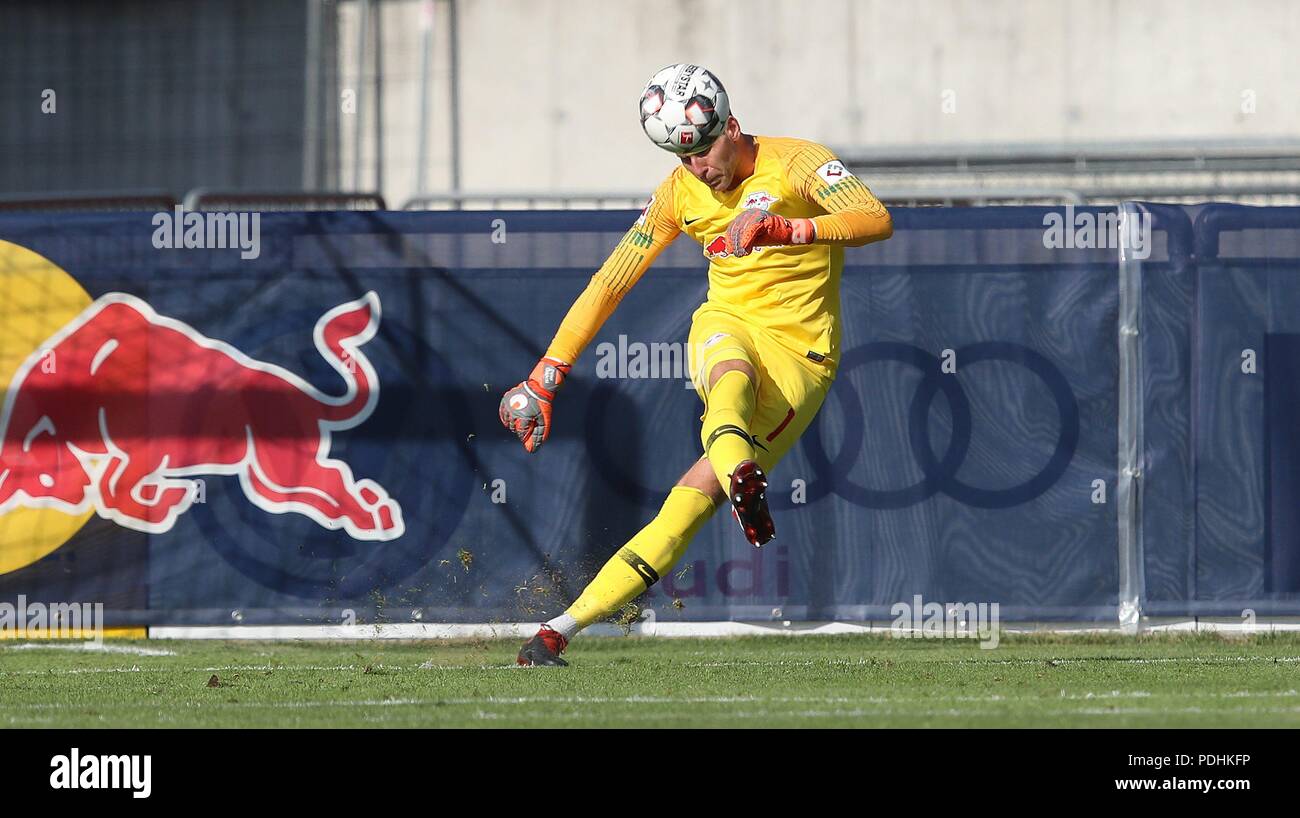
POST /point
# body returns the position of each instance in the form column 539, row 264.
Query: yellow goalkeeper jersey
column 791, row 292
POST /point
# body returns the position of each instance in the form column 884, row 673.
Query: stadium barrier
column 1075, row 416
column 893, row 195
column 275, row 201
column 86, row 202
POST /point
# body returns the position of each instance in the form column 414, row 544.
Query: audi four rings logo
column 939, row 472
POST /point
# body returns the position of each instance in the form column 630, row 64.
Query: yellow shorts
column 790, row 388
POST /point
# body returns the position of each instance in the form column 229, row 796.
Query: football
column 684, row 108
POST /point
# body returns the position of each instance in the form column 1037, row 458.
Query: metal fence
column 200, row 199
column 1265, row 172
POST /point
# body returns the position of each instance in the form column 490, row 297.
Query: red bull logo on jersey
column 123, row 409
column 717, row 248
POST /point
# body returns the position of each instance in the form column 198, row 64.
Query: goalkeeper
column 773, row 215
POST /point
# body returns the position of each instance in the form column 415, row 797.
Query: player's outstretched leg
column 727, row 413
column 729, row 445
column 636, row 566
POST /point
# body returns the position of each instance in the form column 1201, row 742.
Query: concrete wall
column 154, row 93
column 549, row 87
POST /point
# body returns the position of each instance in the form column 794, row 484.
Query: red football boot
column 544, row 649
column 749, row 503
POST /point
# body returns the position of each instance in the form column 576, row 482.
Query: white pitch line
column 1204, row 660
column 214, row 669
column 78, row 670
column 852, row 663
column 665, row 717
column 91, row 647
column 787, row 663
column 685, row 700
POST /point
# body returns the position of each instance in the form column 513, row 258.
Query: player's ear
column 733, row 128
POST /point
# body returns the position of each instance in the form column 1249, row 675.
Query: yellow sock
column 725, row 434
column 646, row 557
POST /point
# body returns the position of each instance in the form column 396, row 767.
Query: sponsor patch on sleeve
column 833, row 172
column 644, row 211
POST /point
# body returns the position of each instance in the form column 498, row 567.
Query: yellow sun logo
column 37, row 298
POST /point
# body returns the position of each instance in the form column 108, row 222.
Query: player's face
column 717, row 166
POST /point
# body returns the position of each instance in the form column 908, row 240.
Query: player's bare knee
column 734, row 365
column 702, row 478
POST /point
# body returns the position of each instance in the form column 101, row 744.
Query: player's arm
column 854, row 216
column 526, row 409
column 635, row 252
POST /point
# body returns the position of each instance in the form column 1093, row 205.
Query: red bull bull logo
column 717, row 247
column 123, row 409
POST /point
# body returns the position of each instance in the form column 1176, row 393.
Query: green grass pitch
column 1200, row 680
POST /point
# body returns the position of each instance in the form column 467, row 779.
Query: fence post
column 1128, row 489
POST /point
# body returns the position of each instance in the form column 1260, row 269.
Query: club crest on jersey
column 761, row 200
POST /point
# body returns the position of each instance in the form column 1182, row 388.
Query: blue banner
column 293, row 419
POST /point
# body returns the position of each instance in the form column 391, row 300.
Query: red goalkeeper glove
column 759, row 228
column 526, row 409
